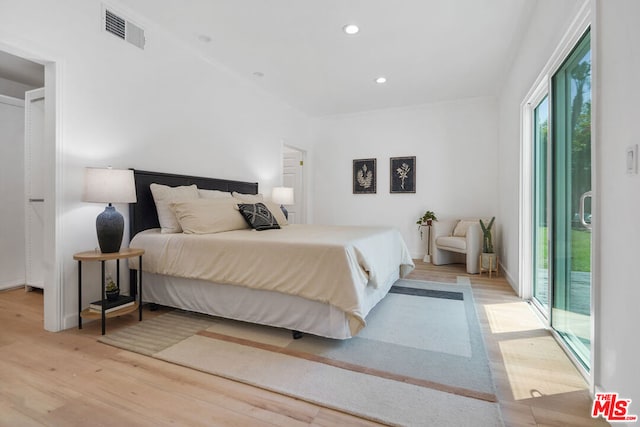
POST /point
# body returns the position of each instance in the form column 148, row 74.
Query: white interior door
column 12, row 242
column 34, row 167
column 293, row 176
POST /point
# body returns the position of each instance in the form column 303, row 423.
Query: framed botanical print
column 403, row 174
column 364, row 176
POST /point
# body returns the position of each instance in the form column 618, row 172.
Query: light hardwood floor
column 68, row 378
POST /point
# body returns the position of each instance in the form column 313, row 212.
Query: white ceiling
column 429, row 50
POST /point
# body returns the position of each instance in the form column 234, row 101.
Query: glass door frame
column 527, row 167
column 540, row 89
column 545, row 312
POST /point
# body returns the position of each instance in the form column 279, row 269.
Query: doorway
column 293, row 177
column 50, row 176
column 21, row 117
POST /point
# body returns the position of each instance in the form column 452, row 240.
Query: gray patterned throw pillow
column 258, row 216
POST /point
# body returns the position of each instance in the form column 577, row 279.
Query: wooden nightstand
column 117, row 256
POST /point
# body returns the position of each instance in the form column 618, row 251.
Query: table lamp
column 283, row 196
column 107, row 185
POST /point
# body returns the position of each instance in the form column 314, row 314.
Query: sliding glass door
column 562, row 202
column 571, row 211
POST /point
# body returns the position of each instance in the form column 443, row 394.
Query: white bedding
column 349, row 268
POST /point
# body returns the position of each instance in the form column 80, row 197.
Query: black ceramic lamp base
column 284, row 211
column 110, row 228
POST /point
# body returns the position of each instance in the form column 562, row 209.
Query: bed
column 322, row 280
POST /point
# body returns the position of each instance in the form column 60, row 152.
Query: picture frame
column 365, row 176
column 402, row 174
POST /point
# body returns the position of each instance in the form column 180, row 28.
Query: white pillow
column 259, row 198
column 207, row 216
column 213, row 194
column 461, row 228
column 163, row 196
column 248, row 198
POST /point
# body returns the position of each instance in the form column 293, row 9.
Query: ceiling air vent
column 120, row 27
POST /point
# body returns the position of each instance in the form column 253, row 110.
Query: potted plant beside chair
column 425, row 221
column 488, row 259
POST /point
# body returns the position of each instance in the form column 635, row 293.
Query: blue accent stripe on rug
column 431, row 293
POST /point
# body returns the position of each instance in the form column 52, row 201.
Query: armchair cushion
column 452, row 242
column 443, row 227
column 461, row 227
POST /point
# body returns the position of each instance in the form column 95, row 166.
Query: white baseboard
column 509, row 277
column 71, row 321
column 9, row 284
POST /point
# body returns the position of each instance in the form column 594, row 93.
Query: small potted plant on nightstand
column 111, row 289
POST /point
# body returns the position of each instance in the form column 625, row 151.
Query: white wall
column 618, row 87
column 455, row 144
column 162, row 108
column 549, row 21
column 12, row 226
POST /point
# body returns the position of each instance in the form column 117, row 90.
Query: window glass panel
column 571, row 124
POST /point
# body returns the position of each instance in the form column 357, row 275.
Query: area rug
column 419, row 361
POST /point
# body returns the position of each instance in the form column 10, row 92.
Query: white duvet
column 328, row 264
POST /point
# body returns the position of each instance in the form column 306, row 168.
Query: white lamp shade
column 282, row 195
column 106, row 185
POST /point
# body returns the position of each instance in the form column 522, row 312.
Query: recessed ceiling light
column 381, row 80
column 351, row 29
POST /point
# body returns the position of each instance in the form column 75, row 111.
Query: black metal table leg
column 118, row 273
column 79, row 294
column 104, row 302
column 140, row 289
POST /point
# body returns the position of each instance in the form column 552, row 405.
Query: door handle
column 581, row 213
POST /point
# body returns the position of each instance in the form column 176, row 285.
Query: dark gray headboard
column 143, row 215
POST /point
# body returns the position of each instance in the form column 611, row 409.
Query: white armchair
column 457, row 241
